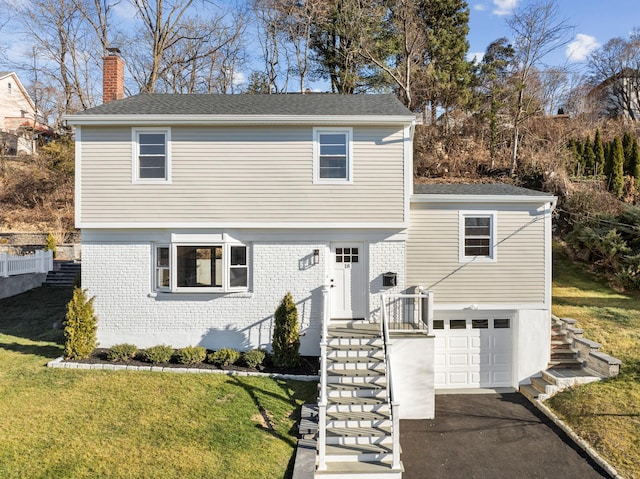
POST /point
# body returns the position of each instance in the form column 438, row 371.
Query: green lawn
column 607, row 413
column 58, row 423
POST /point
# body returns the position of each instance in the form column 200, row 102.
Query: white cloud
column 475, row 56
column 239, row 78
column 481, row 7
column 504, row 7
column 124, row 10
column 581, row 47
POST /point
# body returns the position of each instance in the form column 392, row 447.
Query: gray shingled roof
column 4, row 74
column 281, row 104
column 476, row 189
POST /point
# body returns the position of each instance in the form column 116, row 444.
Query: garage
column 473, row 350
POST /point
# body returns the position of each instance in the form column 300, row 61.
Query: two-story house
column 199, row 212
column 19, row 127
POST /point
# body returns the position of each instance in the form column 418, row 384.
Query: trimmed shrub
column 253, row 358
column 51, row 244
column 158, row 354
column 121, row 352
column 191, row 355
column 80, row 326
column 224, row 357
column 286, row 335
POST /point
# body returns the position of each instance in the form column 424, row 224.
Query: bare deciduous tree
column 537, row 32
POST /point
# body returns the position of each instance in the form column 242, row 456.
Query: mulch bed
column 308, row 364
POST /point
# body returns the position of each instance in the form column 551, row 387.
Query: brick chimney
column 112, row 76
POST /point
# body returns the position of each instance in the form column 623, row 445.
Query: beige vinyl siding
column 242, row 174
column 518, row 275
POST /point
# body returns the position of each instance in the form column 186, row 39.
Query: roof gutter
column 452, row 198
column 165, row 119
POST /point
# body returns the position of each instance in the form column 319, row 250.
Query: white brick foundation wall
column 119, row 275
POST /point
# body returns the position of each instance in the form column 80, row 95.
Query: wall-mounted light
column 316, row 256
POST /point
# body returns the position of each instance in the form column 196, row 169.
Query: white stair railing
column 394, row 405
column 322, row 401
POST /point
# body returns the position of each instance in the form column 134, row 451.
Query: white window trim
column 493, row 254
column 135, row 149
column 155, row 267
column 226, row 275
column 348, row 131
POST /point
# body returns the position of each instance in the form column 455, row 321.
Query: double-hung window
column 477, row 236
column 332, row 155
column 151, row 157
column 201, row 267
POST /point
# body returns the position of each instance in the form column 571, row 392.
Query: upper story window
column 151, row 162
column 9, row 88
column 332, row 155
column 477, row 236
column 189, row 268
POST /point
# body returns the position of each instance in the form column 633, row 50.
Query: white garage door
column 473, row 352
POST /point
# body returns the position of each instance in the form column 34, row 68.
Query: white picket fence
column 39, row 262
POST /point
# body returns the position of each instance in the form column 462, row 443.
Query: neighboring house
column 19, row 129
column 199, row 212
column 618, row 96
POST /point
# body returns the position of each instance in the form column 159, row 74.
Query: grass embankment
column 60, row 423
column 607, row 413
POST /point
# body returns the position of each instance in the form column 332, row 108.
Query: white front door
column 348, row 285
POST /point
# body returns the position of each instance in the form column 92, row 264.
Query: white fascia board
column 426, row 198
column 487, row 306
column 271, row 226
column 152, row 120
column 78, row 177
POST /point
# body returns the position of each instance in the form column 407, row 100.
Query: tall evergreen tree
column 589, row 156
column 617, row 174
column 598, row 151
column 627, row 141
column 634, row 169
column 495, row 73
column 608, row 161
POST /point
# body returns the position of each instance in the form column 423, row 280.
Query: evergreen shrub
column 158, row 354
column 224, row 357
column 191, row 355
column 286, row 334
column 51, row 244
column 122, row 352
column 80, row 326
column 253, row 358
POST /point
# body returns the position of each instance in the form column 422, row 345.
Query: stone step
column 356, row 354
column 359, row 453
column 377, row 378
column 532, row 393
column 353, row 343
column 358, row 415
column 567, row 363
column 360, row 370
column 359, row 408
column 563, row 354
column 360, row 470
column 543, row 386
column 381, row 433
column 356, row 401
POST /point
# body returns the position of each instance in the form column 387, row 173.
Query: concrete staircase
column 574, row 360
column 64, row 273
column 359, row 426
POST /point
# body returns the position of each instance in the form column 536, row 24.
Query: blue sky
column 595, row 22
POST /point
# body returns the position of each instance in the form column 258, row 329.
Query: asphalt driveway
column 490, row 436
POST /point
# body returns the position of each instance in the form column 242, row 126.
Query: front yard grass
column 58, row 423
column 607, row 413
